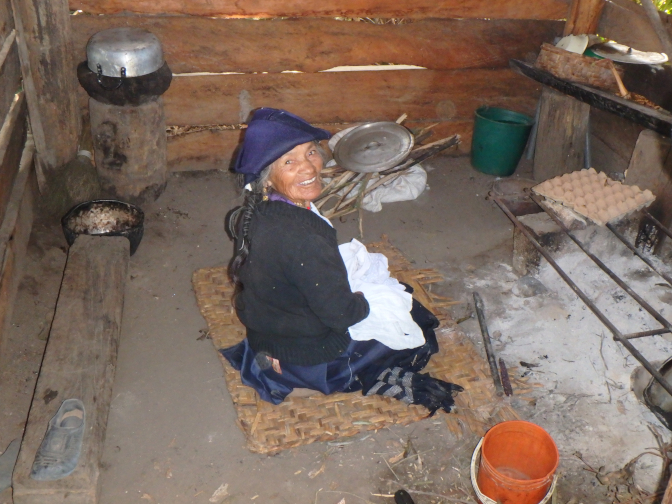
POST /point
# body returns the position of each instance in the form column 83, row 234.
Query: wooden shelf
column 660, row 122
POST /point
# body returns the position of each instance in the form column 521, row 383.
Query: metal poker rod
column 596, row 311
column 653, row 332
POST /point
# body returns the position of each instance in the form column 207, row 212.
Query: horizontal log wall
column 465, row 61
column 311, row 45
column 498, row 9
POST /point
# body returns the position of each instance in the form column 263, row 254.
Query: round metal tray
column 625, row 54
column 124, row 52
column 373, row 147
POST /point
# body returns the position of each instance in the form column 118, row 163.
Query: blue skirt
column 355, row 369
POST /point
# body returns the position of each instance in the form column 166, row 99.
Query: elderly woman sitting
column 293, row 294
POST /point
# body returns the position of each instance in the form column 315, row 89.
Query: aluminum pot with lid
column 124, row 52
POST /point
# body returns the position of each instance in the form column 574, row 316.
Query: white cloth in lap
column 389, row 320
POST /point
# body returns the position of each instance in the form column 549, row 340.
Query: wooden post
column 651, row 168
column 130, row 148
column 49, row 79
column 561, row 135
column 79, row 362
column 584, row 16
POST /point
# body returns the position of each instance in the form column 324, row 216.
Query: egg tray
column 594, row 195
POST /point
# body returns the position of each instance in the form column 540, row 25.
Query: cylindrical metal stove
column 125, row 76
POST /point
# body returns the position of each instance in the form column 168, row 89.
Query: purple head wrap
column 270, row 134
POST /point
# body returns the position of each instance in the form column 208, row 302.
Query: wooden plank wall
column 16, row 176
column 625, row 21
column 242, row 64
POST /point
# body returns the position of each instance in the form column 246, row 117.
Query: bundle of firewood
column 347, row 189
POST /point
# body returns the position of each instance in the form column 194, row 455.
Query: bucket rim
column 487, row 500
column 526, row 121
column 535, row 427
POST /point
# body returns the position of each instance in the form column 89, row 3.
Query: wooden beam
column 79, row 362
column 584, row 17
column 561, row 135
column 215, row 149
column 659, row 121
column 425, row 95
column 45, row 50
column 14, row 234
column 311, row 45
column 414, row 9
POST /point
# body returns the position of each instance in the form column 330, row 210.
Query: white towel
column 389, row 319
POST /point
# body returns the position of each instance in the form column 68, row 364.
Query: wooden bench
column 79, row 362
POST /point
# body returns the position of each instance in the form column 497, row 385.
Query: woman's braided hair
column 239, row 224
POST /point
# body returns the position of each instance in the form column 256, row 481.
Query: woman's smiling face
column 296, row 175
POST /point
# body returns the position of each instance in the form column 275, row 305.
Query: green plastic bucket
column 499, row 140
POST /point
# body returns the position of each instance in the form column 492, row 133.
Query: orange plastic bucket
column 518, row 462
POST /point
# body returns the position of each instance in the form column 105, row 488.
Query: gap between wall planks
column 12, row 137
column 10, row 69
column 416, row 9
column 311, row 45
column 215, row 149
column 625, row 22
column 10, row 78
column 336, row 97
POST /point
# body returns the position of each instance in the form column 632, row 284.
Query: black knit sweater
column 296, row 301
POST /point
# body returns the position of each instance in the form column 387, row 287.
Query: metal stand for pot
column 623, row 339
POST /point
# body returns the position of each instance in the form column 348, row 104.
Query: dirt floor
column 172, row 434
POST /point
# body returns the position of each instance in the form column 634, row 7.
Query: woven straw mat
column 303, row 420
